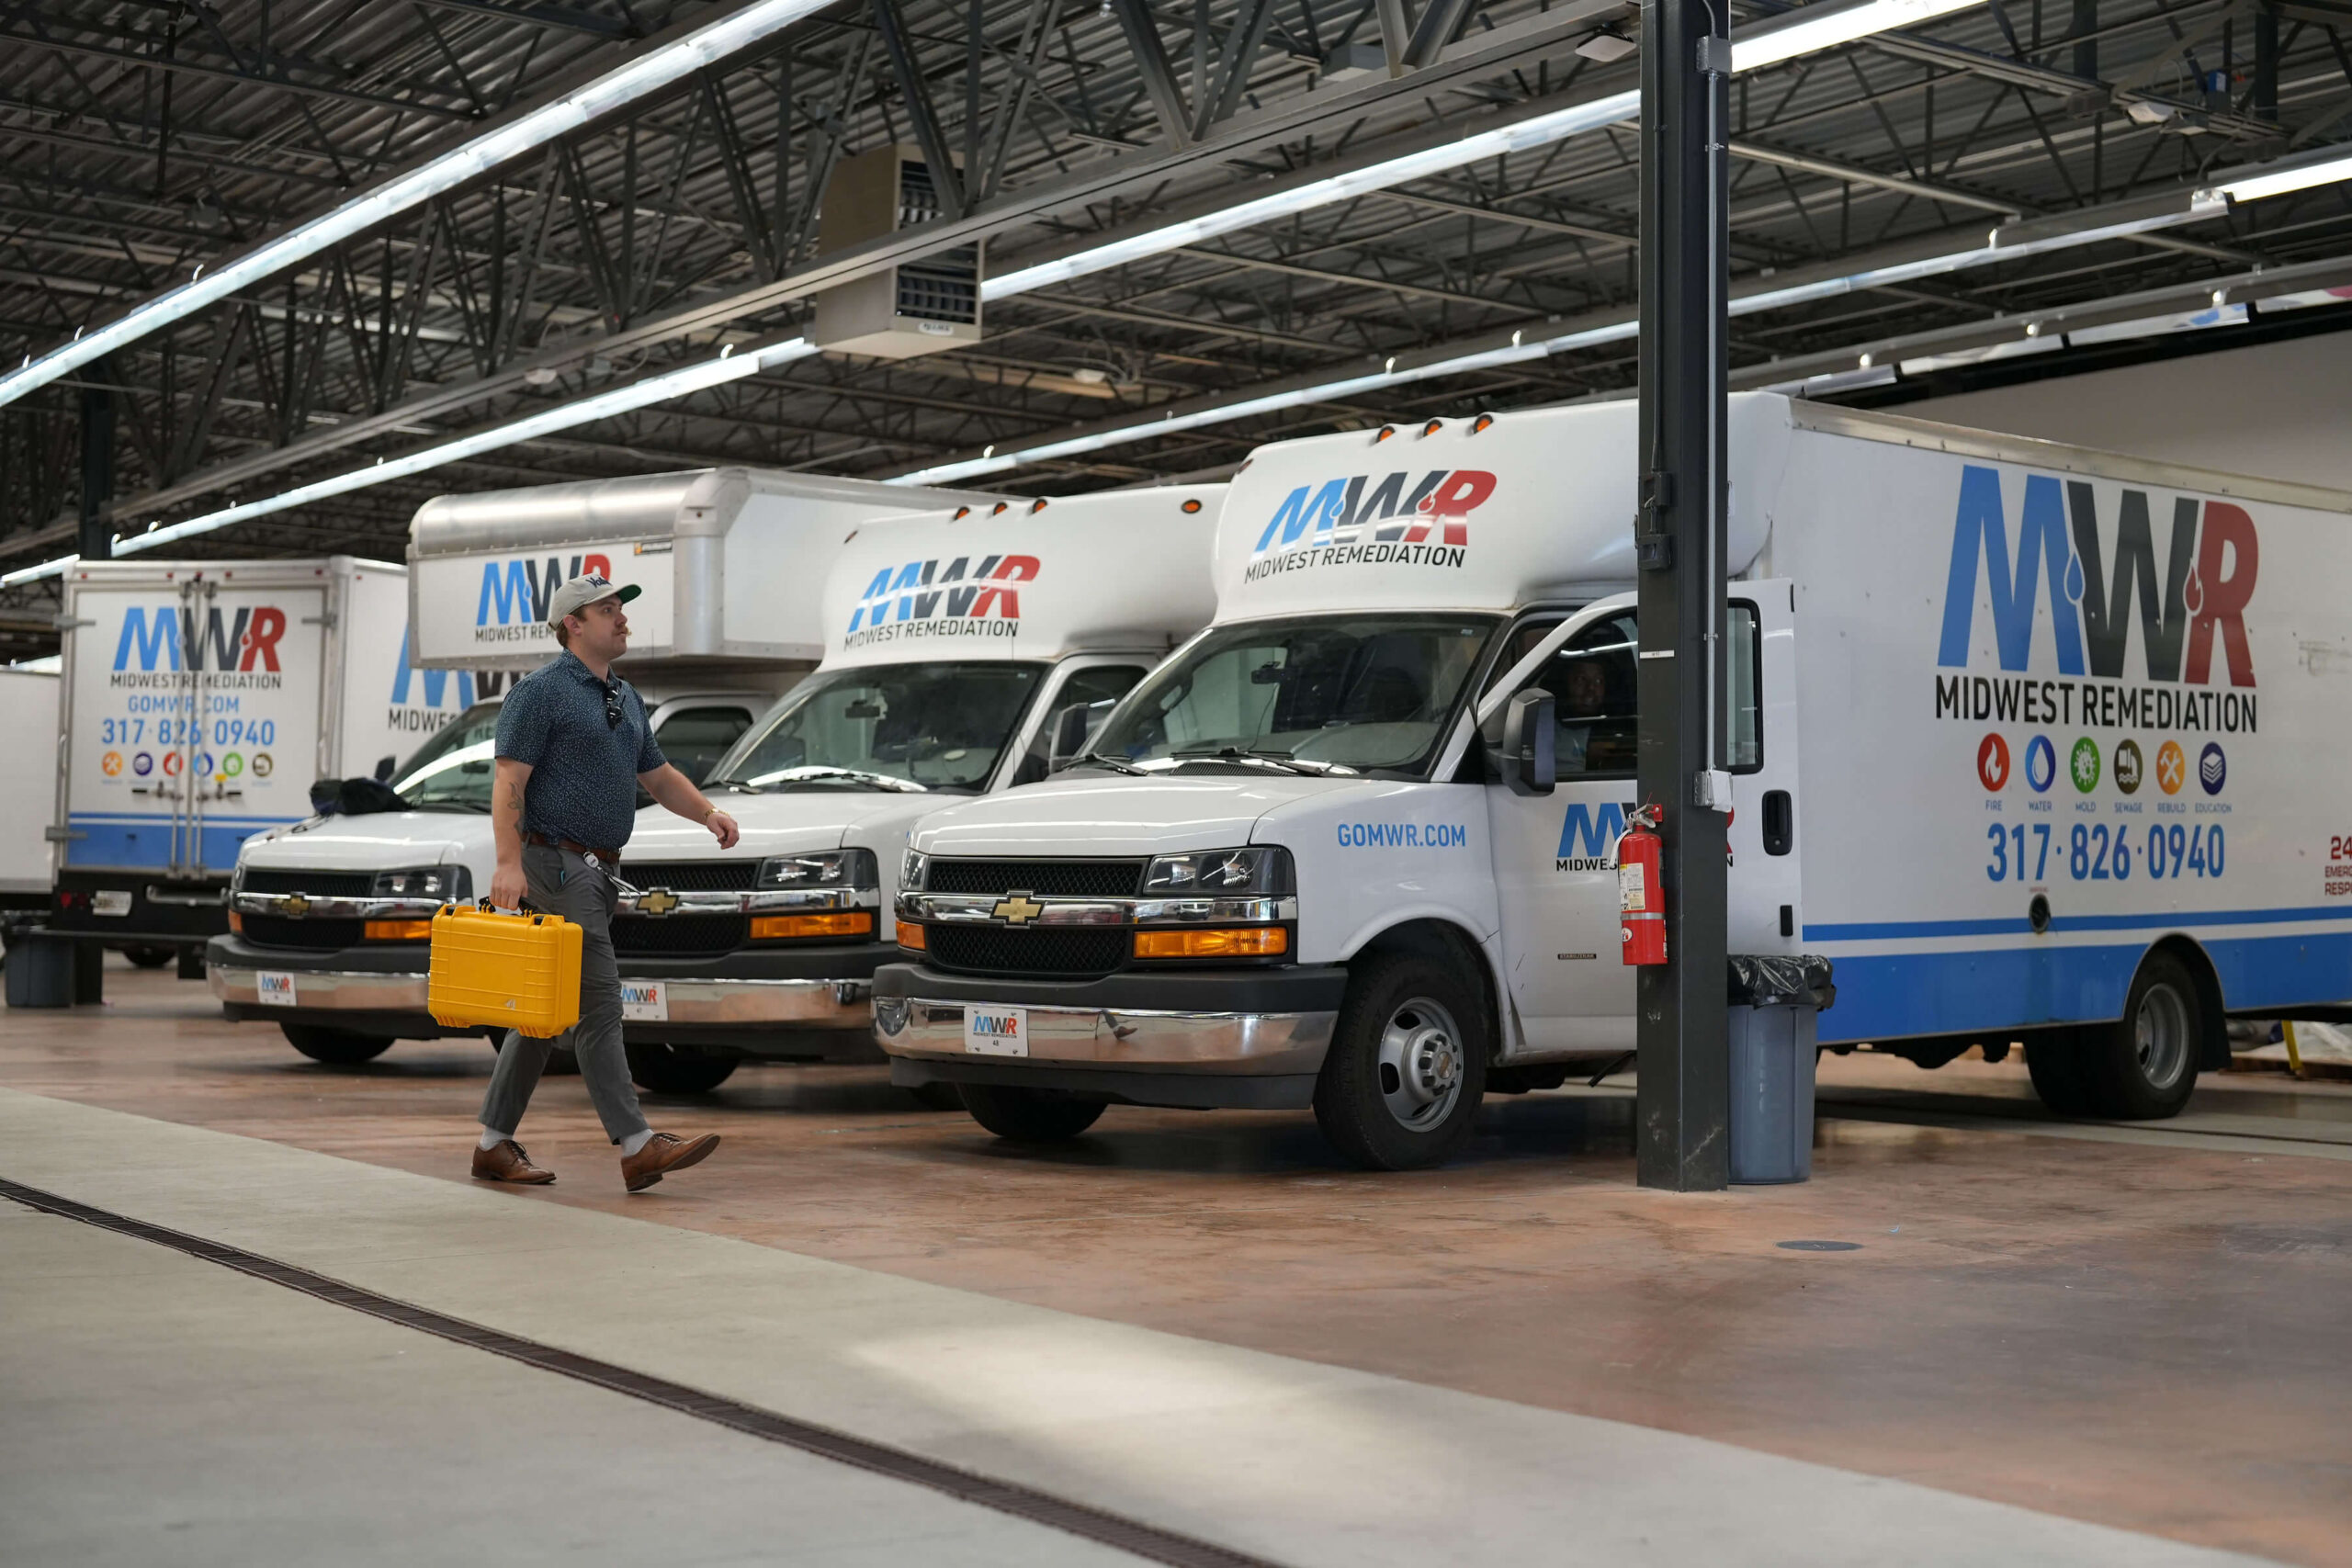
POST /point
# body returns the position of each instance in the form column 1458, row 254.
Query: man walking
column 574, row 745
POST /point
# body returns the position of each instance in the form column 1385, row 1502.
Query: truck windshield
column 903, row 726
column 452, row 771
column 1362, row 693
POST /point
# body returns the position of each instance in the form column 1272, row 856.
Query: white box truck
column 964, row 649
column 2036, row 743
column 332, row 913
column 201, row 701
column 28, row 709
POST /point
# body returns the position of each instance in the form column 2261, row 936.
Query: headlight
column 913, row 870
column 1259, row 869
column 445, row 883
column 833, row 868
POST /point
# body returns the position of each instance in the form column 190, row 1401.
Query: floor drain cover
column 1819, row 1246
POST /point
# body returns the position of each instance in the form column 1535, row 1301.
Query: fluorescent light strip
column 2253, row 184
column 648, row 73
column 1816, row 28
column 1798, row 33
column 2203, row 204
column 728, row 366
column 1539, row 131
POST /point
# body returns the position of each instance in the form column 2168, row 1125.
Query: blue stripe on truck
column 1890, row 931
column 145, row 843
column 1886, row 996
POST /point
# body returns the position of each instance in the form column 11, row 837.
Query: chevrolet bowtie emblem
column 296, row 906
column 1015, row 908
column 656, row 901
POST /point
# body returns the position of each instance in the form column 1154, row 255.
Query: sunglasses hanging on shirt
column 612, row 709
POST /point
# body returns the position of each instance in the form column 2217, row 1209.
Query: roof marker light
column 1481, row 423
column 1190, row 507
column 1433, row 427
column 1385, row 433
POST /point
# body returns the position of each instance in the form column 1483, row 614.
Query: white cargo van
column 200, row 702
column 965, row 649
column 2036, row 743
column 332, row 912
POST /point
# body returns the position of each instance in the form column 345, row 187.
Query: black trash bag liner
column 354, row 797
column 1780, row 979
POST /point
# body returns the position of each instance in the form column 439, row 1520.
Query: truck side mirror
column 1067, row 732
column 384, row 767
column 1529, row 763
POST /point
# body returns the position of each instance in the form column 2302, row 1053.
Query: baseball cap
column 582, row 592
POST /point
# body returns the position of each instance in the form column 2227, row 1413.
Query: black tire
column 678, row 1069
column 151, row 957
column 337, row 1047
column 2055, row 1062
column 937, row 1096
column 2143, row 1067
column 1029, row 1115
column 1408, row 1065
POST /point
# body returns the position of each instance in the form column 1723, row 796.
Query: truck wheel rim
column 1421, row 1064
column 2160, row 1037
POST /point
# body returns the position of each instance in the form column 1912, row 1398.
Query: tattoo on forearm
column 515, row 797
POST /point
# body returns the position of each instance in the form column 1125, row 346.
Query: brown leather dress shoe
column 663, row 1153
column 507, row 1162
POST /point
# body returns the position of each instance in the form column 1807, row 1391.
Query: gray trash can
column 1774, row 1001
column 41, row 970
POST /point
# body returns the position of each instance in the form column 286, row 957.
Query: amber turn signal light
column 911, row 935
column 772, row 928
column 397, row 930
column 236, row 923
column 1239, row 942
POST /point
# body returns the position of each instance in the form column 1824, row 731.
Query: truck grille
column 278, row 930
column 679, row 936
column 693, row 875
column 317, row 884
column 1066, row 878
column 1081, row 952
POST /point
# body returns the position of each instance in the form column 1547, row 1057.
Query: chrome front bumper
column 809, row 1004
column 321, row 990
column 1274, row 1044
column 816, row 1004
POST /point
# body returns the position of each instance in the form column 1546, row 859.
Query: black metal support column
column 97, row 463
column 2266, row 63
column 1681, row 1140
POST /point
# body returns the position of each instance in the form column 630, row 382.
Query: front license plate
column 996, row 1031
column 110, row 901
column 645, row 1000
column 275, row 987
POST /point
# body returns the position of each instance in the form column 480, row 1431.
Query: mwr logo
column 173, row 638
column 920, row 599
column 419, row 695
column 517, row 592
column 1589, row 836
column 2199, row 595
column 1357, row 520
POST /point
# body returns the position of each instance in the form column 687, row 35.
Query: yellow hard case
column 506, row 971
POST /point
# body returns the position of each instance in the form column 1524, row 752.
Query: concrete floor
column 2137, row 1328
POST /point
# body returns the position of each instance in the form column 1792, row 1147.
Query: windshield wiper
column 817, row 774
column 1096, row 759
column 746, row 785
column 1264, row 757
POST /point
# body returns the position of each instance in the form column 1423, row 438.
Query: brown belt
column 611, row 858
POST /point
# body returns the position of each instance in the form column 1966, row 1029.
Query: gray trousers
column 563, row 884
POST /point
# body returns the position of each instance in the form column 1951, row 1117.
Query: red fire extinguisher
column 1640, row 895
